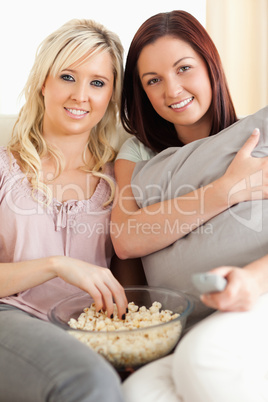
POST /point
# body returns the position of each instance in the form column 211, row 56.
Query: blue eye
column 67, row 77
column 97, row 83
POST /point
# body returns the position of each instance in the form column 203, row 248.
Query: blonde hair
column 77, row 40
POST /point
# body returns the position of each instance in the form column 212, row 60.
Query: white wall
column 25, row 23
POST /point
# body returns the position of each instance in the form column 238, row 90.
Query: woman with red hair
column 138, row 114
column 174, row 93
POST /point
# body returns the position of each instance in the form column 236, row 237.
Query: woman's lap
column 41, row 362
column 224, row 357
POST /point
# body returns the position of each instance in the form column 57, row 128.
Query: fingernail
column 111, row 316
column 256, row 131
column 123, row 316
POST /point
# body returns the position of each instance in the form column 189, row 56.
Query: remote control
column 208, row 283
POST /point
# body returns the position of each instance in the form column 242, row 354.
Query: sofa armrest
column 6, row 125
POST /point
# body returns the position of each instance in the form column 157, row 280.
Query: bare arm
column 99, row 282
column 138, row 232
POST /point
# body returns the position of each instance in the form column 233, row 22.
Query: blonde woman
column 56, row 189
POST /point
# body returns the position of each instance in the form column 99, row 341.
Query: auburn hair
column 137, row 114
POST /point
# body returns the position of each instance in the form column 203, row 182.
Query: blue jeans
column 40, row 362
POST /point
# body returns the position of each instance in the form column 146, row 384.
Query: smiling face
column 176, row 81
column 76, row 98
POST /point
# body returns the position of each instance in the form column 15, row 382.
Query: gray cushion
column 234, row 237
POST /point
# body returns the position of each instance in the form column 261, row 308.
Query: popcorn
column 130, row 348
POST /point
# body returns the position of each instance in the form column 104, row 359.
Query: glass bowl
column 133, row 348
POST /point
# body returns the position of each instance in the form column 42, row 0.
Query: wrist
column 259, row 271
column 55, row 264
column 231, row 192
column 220, row 195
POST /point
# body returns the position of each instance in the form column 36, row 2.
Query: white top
column 135, row 151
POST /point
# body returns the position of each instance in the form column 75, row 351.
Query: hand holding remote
column 208, row 283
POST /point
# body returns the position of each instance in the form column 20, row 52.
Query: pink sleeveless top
column 30, row 230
